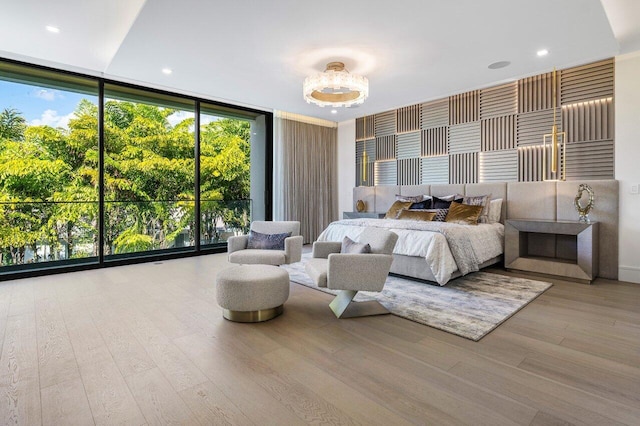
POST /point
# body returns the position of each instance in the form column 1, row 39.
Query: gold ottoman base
column 252, row 316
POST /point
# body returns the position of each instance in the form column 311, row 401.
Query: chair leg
column 343, row 308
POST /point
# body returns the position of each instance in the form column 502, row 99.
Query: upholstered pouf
column 252, row 293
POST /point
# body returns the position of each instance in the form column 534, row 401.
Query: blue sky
column 40, row 105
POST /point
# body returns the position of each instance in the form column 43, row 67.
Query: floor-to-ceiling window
column 48, row 168
column 93, row 171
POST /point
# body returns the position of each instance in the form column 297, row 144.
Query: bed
column 432, row 251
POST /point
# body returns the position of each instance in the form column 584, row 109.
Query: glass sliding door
column 48, row 168
column 149, row 172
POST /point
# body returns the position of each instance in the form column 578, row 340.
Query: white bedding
column 428, row 240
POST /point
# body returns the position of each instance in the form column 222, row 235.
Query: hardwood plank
column 65, row 403
column 22, row 299
column 19, row 377
column 56, row 359
column 211, row 406
column 160, row 404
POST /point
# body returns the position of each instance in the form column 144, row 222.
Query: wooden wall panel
column 362, row 132
column 386, row 147
column 498, row 133
column 408, row 119
column 463, row 168
column 408, row 145
column 590, row 160
column 370, row 146
column 464, row 108
column 464, row 138
column 499, row 100
column 532, row 126
column 536, row 93
column 370, row 181
column 386, row 172
column 498, row 166
column 589, row 121
column 435, row 169
column 588, row 82
column 435, row 114
column 409, row 171
column 435, row 141
column 385, row 124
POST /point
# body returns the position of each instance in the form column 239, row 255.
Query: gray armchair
column 351, row 273
column 238, row 252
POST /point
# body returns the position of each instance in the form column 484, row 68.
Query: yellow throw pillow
column 395, row 208
column 416, row 215
column 463, row 214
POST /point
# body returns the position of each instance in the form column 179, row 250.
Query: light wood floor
column 147, row 344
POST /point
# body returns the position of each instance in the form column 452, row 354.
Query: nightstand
column 567, row 249
column 362, row 215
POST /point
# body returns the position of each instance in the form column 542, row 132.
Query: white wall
column 627, row 164
column 346, row 165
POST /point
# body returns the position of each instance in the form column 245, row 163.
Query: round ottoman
column 252, row 293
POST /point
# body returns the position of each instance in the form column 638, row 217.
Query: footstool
column 252, row 293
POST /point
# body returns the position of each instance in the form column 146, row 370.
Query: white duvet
column 426, row 240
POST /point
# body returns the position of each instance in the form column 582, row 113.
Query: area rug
column 469, row 306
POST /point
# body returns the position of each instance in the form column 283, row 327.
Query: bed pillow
column 422, row 205
column 412, row 198
column 495, row 210
column 352, row 247
column 395, row 208
column 445, row 202
column 424, row 215
column 463, row 214
column 479, row 200
column 261, row 241
column 440, row 214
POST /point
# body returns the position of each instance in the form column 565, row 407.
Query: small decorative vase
column 583, row 212
column 360, row 206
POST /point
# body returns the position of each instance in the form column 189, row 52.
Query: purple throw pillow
column 261, row 241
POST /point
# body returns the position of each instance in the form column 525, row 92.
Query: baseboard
column 629, row 273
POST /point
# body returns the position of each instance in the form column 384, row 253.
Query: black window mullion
column 101, row 149
column 196, row 210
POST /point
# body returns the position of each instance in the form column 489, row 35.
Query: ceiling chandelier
column 335, row 87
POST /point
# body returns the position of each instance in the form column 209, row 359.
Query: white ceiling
column 257, row 53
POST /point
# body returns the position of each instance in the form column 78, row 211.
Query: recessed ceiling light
column 166, row 71
column 542, row 52
column 499, row 64
column 52, row 29
column 334, row 111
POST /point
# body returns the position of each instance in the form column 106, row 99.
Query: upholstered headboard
column 524, row 200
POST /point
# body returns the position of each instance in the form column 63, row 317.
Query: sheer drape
column 305, row 178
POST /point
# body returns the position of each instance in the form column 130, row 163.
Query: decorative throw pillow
column 440, row 214
column 445, row 202
column 495, row 210
column 422, row 205
column 261, row 241
column 423, row 215
column 395, row 208
column 412, row 198
column 480, row 200
column 463, row 214
column 350, row 246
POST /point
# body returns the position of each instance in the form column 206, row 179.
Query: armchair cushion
column 258, row 240
column 350, row 246
column 258, row 256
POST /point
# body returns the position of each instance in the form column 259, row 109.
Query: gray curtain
column 309, row 176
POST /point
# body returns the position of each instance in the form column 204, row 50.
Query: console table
column 567, row 249
column 362, row 215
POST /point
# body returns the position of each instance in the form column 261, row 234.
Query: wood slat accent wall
column 463, row 168
column 435, row 141
column 408, row 119
column 386, row 147
column 463, row 108
column 435, row 114
column 409, row 171
column 496, row 133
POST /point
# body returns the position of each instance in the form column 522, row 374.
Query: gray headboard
column 524, row 200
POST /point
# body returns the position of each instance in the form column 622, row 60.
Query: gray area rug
column 469, row 306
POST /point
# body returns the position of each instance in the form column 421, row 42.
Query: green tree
column 12, row 124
